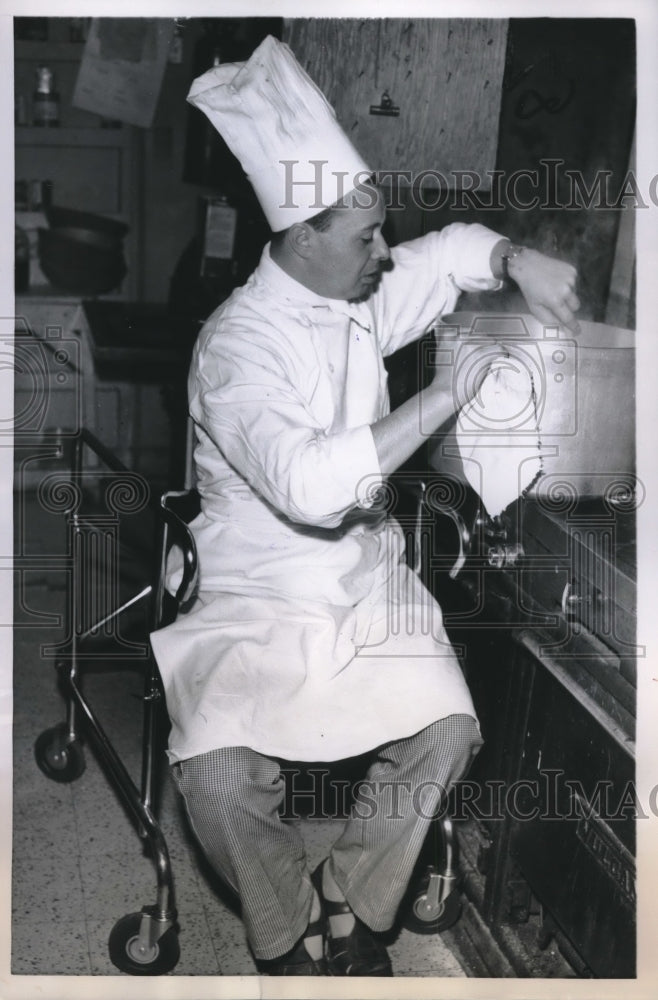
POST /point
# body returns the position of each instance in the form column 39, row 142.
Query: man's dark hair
column 320, row 223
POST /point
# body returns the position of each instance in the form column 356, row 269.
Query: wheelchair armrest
column 176, row 532
column 426, row 502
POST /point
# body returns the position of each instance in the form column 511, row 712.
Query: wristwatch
column 513, row 250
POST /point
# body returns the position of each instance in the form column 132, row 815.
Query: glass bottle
column 45, row 100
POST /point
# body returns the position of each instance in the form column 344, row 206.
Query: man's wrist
column 510, row 259
column 505, row 258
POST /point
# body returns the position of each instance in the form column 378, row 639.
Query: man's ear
column 300, row 239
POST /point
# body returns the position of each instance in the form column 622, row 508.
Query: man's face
column 348, row 256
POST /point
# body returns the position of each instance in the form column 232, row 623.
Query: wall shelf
column 29, row 135
column 48, row 51
column 91, row 168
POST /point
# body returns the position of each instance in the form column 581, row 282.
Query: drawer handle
column 504, row 555
column 572, row 600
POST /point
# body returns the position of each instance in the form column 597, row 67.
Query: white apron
column 311, row 639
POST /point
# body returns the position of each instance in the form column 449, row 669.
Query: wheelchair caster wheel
column 136, row 958
column 57, row 759
column 428, row 915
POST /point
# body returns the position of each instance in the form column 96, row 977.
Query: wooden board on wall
column 445, row 75
column 569, row 99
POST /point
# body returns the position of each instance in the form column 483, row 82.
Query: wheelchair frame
column 143, row 943
column 146, row 942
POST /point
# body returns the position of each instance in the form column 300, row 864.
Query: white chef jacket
column 311, row 639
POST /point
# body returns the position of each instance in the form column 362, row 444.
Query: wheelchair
column 145, row 942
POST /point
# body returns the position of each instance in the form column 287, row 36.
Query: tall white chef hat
column 283, row 131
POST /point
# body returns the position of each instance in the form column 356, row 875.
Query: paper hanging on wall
column 122, row 67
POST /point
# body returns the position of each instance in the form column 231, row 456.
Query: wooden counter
column 548, row 810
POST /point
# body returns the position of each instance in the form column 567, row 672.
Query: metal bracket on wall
column 385, row 107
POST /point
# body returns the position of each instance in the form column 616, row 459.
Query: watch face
column 512, row 251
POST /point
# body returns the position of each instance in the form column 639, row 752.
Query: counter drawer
column 573, row 832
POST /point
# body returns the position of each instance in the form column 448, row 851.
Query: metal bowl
column 80, row 264
column 90, row 237
column 65, row 218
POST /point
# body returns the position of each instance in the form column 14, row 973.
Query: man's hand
column 461, row 381
column 399, row 434
column 548, row 285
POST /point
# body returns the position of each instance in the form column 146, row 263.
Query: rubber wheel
column 422, row 918
column 57, row 759
column 127, row 957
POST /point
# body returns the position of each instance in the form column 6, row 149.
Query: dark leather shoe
column 361, row 953
column 296, row 962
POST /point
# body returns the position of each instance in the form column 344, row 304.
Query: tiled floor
column 78, row 864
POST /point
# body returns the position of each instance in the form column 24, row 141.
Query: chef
column 310, row 638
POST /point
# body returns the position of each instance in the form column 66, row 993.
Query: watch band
column 512, row 251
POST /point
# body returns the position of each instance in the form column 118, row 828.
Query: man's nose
column 380, row 250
